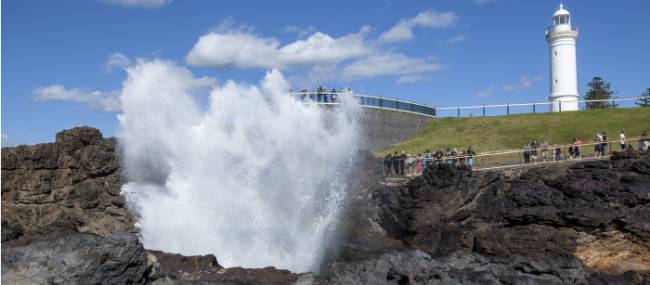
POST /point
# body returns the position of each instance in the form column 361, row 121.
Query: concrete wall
column 382, row 128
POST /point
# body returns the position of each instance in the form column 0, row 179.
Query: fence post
column 483, row 110
column 534, row 108
column 458, row 111
column 508, row 110
column 560, row 102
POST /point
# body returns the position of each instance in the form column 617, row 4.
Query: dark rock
column 578, row 223
column 416, row 267
column 10, row 232
column 67, row 257
column 170, row 268
column 581, row 223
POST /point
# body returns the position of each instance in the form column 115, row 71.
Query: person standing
column 598, row 139
column 576, row 148
column 544, row 151
column 402, row 163
column 387, row 164
column 470, row 157
column 418, row 166
column 603, row 149
column 621, row 138
column 526, row 153
column 395, row 164
column 461, row 157
column 533, row 151
column 454, row 154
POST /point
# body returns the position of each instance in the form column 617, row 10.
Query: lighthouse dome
column 561, row 12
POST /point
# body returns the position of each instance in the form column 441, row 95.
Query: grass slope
column 510, row 132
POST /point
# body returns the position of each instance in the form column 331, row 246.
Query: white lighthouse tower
column 561, row 38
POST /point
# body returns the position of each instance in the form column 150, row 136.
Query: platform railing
column 332, row 98
column 515, row 158
column 534, row 107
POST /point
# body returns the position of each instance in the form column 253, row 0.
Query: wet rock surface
column 65, row 222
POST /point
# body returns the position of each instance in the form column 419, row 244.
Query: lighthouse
column 561, row 37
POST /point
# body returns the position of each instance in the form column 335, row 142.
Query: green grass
column 511, row 132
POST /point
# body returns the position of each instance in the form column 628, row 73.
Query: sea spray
column 256, row 177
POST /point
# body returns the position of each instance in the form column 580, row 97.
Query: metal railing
column 551, row 29
column 331, row 98
column 523, row 108
column 513, row 158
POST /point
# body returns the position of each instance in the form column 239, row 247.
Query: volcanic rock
column 74, row 181
column 581, row 223
column 69, row 257
column 65, row 222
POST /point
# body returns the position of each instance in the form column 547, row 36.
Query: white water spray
column 256, row 178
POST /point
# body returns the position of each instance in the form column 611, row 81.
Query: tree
column 599, row 90
column 644, row 101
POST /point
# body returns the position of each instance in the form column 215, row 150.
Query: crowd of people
column 574, row 150
column 402, row 164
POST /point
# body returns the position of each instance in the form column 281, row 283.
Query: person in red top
column 576, row 147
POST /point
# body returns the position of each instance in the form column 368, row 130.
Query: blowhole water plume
column 257, row 179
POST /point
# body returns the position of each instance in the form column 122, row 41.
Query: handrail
column 409, row 166
column 540, row 103
column 551, row 29
column 385, row 102
column 363, row 95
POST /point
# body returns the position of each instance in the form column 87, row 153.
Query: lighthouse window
column 555, row 53
column 555, row 81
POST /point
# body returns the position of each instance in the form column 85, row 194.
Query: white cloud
column 403, row 30
column 389, row 64
column 318, row 57
column 243, row 49
column 116, row 60
column 239, row 50
column 109, row 101
column 149, row 4
column 457, row 39
column 97, row 100
column 524, row 82
column 485, row 93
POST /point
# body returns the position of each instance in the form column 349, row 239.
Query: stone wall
column 382, row 128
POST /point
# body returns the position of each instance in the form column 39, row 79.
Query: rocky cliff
column 73, row 182
column 63, row 221
column 582, row 223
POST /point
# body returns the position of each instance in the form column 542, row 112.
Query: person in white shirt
column 621, row 137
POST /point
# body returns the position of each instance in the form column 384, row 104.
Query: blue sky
column 62, row 60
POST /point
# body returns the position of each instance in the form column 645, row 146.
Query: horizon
column 64, row 61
